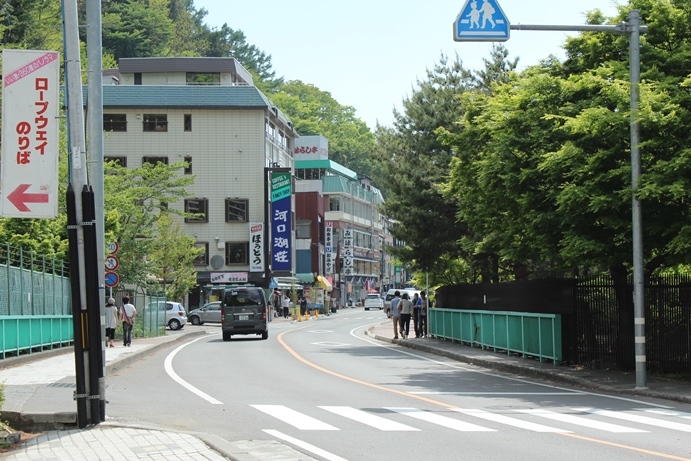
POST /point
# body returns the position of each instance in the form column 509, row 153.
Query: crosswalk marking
column 440, row 420
column 377, row 422
column 661, row 411
column 639, row 419
column 580, row 421
column 509, row 421
column 294, row 418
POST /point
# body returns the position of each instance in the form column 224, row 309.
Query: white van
column 390, row 295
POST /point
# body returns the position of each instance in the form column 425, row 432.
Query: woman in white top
column 111, row 321
column 406, row 308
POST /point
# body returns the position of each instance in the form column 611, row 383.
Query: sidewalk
column 39, row 388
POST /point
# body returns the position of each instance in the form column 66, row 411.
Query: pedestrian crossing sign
column 481, row 21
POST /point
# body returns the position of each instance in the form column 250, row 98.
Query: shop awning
column 325, row 283
column 307, row 277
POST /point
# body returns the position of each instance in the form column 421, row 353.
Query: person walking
column 128, row 314
column 424, row 304
column 395, row 313
column 111, row 313
column 303, row 305
column 406, row 308
column 286, row 306
column 416, row 314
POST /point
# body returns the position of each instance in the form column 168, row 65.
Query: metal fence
column 151, row 313
column 33, row 285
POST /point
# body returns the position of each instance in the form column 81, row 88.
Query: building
column 339, row 231
column 208, row 113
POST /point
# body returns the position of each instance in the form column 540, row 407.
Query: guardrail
column 530, row 335
column 34, row 333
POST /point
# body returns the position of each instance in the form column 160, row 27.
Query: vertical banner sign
column 348, row 253
column 280, row 223
column 328, row 244
column 256, row 247
column 29, row 180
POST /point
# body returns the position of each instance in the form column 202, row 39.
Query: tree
column 314, row 111
column 172, row 257
column 135, row 200
column 136, row 28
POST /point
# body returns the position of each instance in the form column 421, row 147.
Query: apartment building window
column 303, row 229
column 203, row 78
column 187, row 122
column 137, row 78
column 203, row 258
column 236, row 210
column 199, row 207
column 122, row 161
column 154, row 160
column 114, row 122
column 155, row 122
column 188, row 166
column 236, row 253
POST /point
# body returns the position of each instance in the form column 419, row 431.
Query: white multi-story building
column 204, row 111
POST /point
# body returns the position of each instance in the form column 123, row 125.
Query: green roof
column 183, row 96
column 325, row 164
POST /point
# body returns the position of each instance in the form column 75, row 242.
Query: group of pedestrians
column 403, row 309
column 127, row 313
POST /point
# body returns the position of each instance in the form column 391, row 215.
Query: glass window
column 303, row 229
column 122, row 161
column 154, row 160
column 236, row 253
column 198, row 207
column 203, row 78
column 155, row 122
column 236, row 210
column 188, row 167
column 188, row 122
column 114, row 122
column 203, row 258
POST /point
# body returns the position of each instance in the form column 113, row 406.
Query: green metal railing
column 20, row 333
column 531, row 335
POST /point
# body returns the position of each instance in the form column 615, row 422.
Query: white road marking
column 374, row 421
column 305, row 446
column 168, row 366
column 331, row 344
column 294, row 418
column 509, row 421
column 581, row 421
column 440, row 420
column 661, row 411
column 638, row 419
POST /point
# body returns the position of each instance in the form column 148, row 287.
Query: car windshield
column 372, row 296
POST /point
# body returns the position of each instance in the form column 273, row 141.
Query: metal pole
column 637, row 221
column 95, row 150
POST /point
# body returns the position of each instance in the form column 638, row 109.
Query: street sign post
column 481, row 21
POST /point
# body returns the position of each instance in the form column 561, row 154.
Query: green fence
column 530, row 335
column 20, row 333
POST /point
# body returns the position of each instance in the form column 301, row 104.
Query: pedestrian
column 276, row 302
column 303, row 305
column 128, row 315
column 416, row 314
column 111, row 321
column 424, row 305
column 286, row 306
column 395, row 313
column 406, row 308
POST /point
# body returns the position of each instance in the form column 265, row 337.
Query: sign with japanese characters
column 281, row 230
column 256, row 247
column 328, row 245
column 30, row 110
column 348, row 252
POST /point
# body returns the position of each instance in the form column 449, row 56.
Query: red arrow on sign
column 19, row 197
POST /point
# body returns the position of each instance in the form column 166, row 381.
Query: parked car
column 373, row 301
column 208, row 313
column 176, row 316
column 244, row 311
column 390, row 294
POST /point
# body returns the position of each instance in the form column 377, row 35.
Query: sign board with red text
column 30, row 110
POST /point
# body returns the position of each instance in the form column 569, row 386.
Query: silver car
column 176, row 316
column 208, row 313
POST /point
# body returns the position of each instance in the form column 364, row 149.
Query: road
column 325, row 389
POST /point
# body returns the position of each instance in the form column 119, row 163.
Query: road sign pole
column 633, row 28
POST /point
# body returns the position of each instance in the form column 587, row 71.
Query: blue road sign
column 112, row 279
column 481, row 21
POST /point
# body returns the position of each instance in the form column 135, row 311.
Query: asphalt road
column 327, row 390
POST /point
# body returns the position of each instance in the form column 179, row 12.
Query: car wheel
column 226, row 336
column 195, row 320
column 366, row 308
column 265, row 335
column 174, row 324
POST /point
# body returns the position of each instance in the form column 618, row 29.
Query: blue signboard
column 481, row 21
column 281, row 231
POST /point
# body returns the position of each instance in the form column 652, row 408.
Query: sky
column 369, row 54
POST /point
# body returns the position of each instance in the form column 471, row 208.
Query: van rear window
column 243, row 298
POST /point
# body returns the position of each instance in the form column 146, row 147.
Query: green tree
column 172, row 257
column 136, row 28
column 135, row 200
